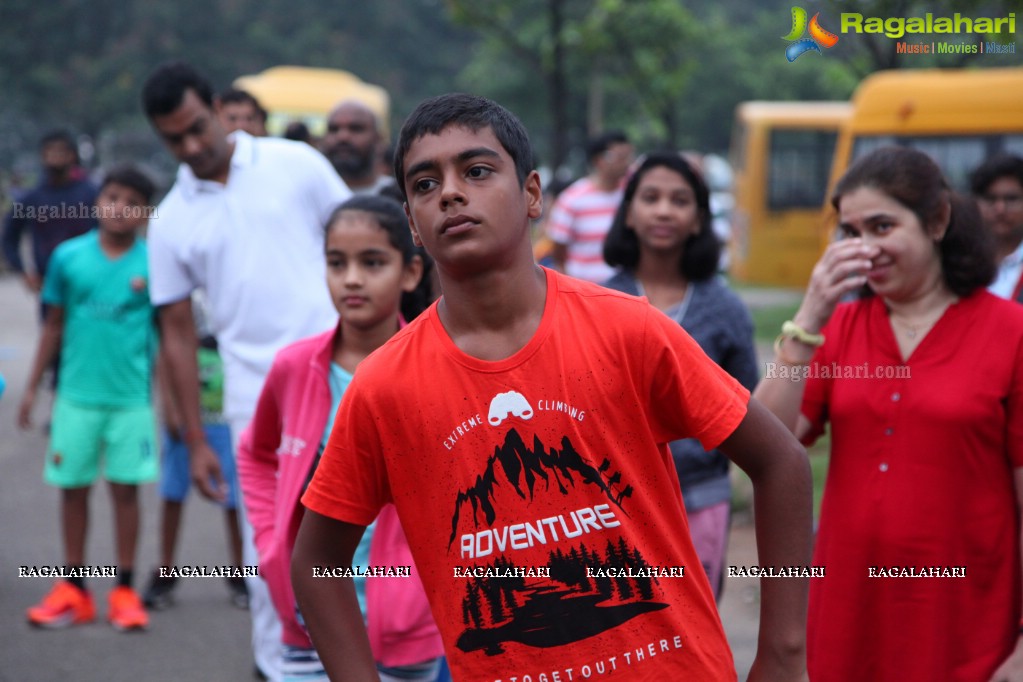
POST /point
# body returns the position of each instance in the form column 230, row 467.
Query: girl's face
column 365, row 272
column 663, row 212
column 908, row 259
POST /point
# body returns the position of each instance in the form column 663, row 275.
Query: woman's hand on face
column 842, row 269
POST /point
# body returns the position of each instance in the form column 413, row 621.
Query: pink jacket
column 274, row 458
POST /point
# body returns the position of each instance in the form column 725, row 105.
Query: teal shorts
column 83, row 437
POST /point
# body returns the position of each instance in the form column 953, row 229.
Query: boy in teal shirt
column 102, row 323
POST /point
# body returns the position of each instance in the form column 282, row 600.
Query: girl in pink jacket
column 374, row 273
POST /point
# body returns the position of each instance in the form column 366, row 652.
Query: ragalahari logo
column 819, row 36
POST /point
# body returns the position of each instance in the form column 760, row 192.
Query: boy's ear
column 534, row 195
column 412, row 226
column 413, row 273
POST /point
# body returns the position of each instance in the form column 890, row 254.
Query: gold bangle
column 780, row 354
column 792, row 330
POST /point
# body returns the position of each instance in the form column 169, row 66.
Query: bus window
column 799, row 164
column 781, row 153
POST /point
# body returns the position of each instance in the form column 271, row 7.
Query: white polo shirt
column 255, row 245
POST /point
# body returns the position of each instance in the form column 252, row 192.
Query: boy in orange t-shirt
column 520, row 426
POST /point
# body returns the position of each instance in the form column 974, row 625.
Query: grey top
column 719, row 322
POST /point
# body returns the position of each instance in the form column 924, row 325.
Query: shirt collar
column 244, row 155
column 1014, row 259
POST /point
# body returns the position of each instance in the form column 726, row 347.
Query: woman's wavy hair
column 913, row 179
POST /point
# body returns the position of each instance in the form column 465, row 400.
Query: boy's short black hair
column 132, row 178
column 601, row 143
column 165, row 88
column 436, row 114
column 998, row 166
column 237, row 96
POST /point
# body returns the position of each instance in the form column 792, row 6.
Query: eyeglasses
column 1011, row 201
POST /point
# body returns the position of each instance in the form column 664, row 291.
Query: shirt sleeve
column 559, row 223
column 169, row 279
column 690, row 395
column 351, row 484
column 54, row 291
column 817, row 392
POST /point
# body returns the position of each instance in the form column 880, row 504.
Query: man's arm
column 14, row 227
column 782, row 496
column 177, row 336
column 49, row 344
column 328, row 605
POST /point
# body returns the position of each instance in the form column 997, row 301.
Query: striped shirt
column 580, row 219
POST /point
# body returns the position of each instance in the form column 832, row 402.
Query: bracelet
column 786, row 360
column 793, row 331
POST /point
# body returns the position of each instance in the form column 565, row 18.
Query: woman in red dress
column 921, row 380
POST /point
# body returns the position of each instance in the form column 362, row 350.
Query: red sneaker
column 63, row 606
column 125, row 610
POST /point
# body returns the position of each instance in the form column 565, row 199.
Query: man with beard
column 352, row 144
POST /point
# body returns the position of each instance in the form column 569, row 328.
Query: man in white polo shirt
column 244, row 221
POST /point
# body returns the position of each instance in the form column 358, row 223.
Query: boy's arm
column 177, row 337
column 328, row 605
column 782, row 497
column 46, row 351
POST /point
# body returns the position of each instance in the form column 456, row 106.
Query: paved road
column 203, row 638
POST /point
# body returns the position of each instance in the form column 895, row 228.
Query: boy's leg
column 130, row 448
column 71, row 464
column 75, row 523
column 126, row 526
column 219, row 438
column 174, row 483
column 170, row 526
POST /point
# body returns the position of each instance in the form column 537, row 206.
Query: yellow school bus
column 959, row 117
column 781, row 155
column 298, row 93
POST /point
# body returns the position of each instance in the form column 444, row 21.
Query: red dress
column 920, row 478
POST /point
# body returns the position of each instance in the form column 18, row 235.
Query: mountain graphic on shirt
column 523, row 467
column 575, row 600
column 579, row 600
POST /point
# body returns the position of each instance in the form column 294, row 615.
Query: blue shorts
column 175, row 472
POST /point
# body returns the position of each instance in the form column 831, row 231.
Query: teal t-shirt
column 109, row 334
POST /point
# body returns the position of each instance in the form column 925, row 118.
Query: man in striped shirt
column 582, row 214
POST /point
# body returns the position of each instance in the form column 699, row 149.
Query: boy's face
column 122, row 210
column 239, row 116
column 465, row 204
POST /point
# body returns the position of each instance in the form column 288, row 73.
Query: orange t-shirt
column 538, row 493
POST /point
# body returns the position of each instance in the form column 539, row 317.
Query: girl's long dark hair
column 702, row 250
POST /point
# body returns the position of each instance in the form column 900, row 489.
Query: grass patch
column 767, row 321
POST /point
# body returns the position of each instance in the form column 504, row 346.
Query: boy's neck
column 493, row 315
column 114, row 244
